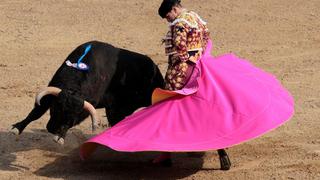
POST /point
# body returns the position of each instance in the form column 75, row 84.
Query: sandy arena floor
column 280, row 36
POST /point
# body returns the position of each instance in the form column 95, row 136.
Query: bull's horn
column 48, row 90
column 93, row 113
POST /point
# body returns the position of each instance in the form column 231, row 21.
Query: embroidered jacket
column 187, row 37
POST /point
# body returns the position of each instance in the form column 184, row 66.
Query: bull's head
column 66, row 111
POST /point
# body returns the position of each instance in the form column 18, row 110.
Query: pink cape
column 226, row 101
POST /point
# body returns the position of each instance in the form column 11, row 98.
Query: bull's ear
column 70, row 102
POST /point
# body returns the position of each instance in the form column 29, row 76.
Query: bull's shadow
column 103, row 164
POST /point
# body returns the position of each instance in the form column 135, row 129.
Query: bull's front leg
column 36, row 113
column 224, row 159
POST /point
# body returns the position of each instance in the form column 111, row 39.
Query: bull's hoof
column 14, row 130
column 225, row 163
column 58, row 140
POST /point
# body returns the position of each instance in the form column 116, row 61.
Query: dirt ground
column 279, row 36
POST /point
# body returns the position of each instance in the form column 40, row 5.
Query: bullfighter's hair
column 166, row 6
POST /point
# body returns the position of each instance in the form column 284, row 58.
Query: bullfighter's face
column 174, row 13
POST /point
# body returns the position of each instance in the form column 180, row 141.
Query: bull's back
column 91, row 84
column 115, row 77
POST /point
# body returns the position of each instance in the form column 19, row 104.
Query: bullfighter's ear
column 70, row 102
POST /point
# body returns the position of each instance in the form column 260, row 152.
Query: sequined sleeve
column 180, row 33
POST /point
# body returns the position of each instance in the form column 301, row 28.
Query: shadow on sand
column 108, row 164
column 38, row 139
column 103, row 164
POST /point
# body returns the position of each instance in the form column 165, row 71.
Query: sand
column 279, row 36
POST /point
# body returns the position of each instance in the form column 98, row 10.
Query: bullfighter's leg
column 177, row 75
column 35, row 114
column 224, row 159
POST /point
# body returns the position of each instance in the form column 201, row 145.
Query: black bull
column 118, row 80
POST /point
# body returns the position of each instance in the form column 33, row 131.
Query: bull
column 116, row 79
